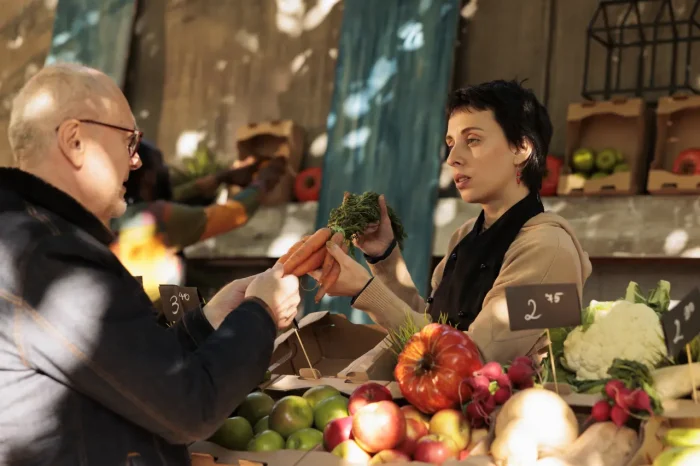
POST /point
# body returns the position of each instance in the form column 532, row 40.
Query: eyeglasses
column 134, row 139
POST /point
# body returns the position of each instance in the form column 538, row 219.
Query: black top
column 474, row 264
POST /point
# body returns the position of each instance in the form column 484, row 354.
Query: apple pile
column 493, row 385
column 378, row 431
column 591, row 164
column 292, row 423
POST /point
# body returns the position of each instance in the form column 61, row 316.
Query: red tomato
column 432, row 366
column 551, row 176
column 687, row 162
column 307, row 186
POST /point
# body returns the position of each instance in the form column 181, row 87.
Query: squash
column 603, row 444
column 547, row 418
column 515, row 445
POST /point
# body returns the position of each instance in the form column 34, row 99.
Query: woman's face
column 484, row 165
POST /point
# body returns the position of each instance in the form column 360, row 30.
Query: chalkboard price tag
column 539, row 307
column 682, row 323
column 176, row 300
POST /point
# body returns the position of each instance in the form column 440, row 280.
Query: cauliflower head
column 627, row 330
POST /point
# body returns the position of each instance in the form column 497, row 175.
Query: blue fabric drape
column 95, row 33
column 386, row 124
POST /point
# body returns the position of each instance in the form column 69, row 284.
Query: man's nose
column 135, row 162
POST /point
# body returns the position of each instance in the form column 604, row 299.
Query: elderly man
column 87, row 377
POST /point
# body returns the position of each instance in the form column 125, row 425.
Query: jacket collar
column 38, row 192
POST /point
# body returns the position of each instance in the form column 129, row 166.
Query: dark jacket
column 87, row 376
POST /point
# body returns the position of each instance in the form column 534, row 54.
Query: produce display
column 352, row 217
column 590, row 164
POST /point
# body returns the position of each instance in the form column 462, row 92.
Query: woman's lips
column 462, row 181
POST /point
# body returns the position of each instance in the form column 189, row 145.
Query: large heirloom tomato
column 433, row 364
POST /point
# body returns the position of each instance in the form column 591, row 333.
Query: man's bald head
column 54, row 94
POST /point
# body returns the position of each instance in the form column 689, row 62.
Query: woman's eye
column 471, row 141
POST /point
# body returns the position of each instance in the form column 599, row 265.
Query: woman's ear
column 523, row 152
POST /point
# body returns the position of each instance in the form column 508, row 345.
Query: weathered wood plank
column 25, row 36
column 635, row 227
column 211, row 66
column 504, row 39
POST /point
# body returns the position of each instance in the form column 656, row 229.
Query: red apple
column 379, row 426
column 453, row 424
column 410, row 411
column 336, row 432
column 351, row 451
column 435, row 449
column 415, row 430
column 389, row 456
column 367, row 393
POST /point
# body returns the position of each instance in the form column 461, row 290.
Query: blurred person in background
column 87, row 376
column 154, row 230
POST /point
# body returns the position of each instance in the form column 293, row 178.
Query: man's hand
column 377, row 238
column 272, row 172
column 280, row 293
column 227, row 299
column 353, row 277
column 241, row 174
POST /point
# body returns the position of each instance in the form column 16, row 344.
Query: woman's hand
column 377, row 238
column 353, row 277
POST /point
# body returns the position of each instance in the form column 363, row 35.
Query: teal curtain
column 95, row 33
column 386, row 125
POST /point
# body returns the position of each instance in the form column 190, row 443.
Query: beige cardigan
column 545, row 251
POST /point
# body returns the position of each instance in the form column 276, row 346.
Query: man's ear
column 70, row 141
column 522, row 152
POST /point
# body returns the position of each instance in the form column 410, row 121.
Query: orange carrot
column 293, row 249
column 329, row 279
column 337, row 238
column 313, row 262
column 316, row 242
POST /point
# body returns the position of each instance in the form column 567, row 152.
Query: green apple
column 234, row 434
column 268, row 440
column 453, row 424
column 304, row 439
column 351, row 451
column 256, row 406
column 261, row 425
column 583, row 160
column 599, row 175
column 315, row 395
column 606, row 160
column 329, row 409
column 290, row 414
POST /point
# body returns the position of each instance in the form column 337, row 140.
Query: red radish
column 520, row 373
column 624, row 398
column 612, row 387
column 475, row 413
column 489, row 405
column 479, row 382
column 527, row 384
column 503, row 381
column 642, row 401
column 618, row 416
column 525, row 360
column 601, row 411
column 502, row 395
column 491, row 370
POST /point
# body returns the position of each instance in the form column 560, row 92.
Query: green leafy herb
column 359, row 211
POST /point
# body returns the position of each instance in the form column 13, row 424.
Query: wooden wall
column 210, row 66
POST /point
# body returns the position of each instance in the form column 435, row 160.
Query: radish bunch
column 619, row 403
column 493, row 386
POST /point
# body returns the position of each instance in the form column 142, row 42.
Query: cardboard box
column 271, row 139
column 620, row 124
column 332, row 343
column 677, row 122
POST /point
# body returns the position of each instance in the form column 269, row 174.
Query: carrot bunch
column 346, row 222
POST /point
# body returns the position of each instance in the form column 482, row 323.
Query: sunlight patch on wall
column 187, row 143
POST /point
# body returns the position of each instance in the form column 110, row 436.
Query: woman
column 498, row 137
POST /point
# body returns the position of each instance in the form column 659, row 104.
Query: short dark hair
column 520, row 115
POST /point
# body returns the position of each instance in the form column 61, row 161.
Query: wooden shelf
column 629, row 227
